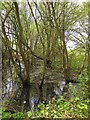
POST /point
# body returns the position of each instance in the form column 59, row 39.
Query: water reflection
column 9, row 89
column 50, row 90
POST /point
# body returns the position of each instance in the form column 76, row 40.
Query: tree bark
column 83, row 63
column 26, row 79
column 66, row 69
column 20, row 41
column 88, row 49
column 25, row 96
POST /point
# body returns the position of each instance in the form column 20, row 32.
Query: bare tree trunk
column 88, row 57
column 20, row 40
column 83, row 63
column 48, row 61
column 26, row 79
column 25, row 96
column 64, row 49
column 43, row 76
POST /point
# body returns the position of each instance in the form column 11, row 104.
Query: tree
column 21, row 55
column 88, row 48
column 41, row 31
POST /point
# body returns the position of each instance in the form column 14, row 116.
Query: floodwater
column 50, row 90
column 53, row 86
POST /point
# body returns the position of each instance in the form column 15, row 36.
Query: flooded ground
column 53, row 86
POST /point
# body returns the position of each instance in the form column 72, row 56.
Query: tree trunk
column 43, row 76
column 82, row 66
column 88, row 50
column 20, row 41
column 41, row 84
column 25, row 96
column 66, row 70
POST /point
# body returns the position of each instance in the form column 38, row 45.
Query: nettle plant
column 62, row 108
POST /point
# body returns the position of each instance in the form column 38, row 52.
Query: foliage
column 42, row 31
column 17, row 115
column 63, row 108
column 76, row 57
column 81, row 89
